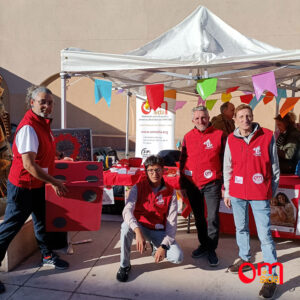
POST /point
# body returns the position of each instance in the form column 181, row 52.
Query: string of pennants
column 206, row 87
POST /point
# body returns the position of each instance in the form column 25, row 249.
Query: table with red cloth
column 289, row 185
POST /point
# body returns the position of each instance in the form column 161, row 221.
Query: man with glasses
column 150, row 214
column 33, row 160
column 200, row 175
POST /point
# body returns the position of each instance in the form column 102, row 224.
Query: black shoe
column 123, row 273
column 2, row 288
column 236, row 266
column 268, row 290
column 213, row 258
column 54, row 261
column 199, row 252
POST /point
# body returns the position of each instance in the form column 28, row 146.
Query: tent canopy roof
column 201, row 46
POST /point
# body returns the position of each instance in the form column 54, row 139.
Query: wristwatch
column 164, row 247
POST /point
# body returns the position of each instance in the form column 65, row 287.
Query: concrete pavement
column 93, row 267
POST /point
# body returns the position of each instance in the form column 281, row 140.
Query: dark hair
column 285, row 197
column 154, row 160
column 224, row 106
column 287, row 120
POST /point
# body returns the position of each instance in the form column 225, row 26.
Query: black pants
column 208, row 233
column 21, row 203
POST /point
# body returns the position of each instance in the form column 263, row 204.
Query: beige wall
column 34, row 31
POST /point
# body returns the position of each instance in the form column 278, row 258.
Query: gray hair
column 33, row 91
column 199, row 108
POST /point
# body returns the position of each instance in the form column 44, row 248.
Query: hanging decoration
column 210, row 104
column 268, row 97
column 179, row 104
column 246, row 98
column 254, row 102
column 200, row 101
column 281, row 94
column 264, row 82
column 232, row 89
column 147, row 106
column 206, row 87
column 288, row 105
column 170, row 94
column 103, row 90
column 120, row 91
column 226, row 97
column 155, row 95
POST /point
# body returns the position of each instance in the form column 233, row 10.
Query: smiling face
column 200, row 119
column 42, row 105
column 243, row 119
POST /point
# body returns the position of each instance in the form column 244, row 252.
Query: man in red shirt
column 33, row 160
column 201, row 177
column 251, row 176
column 150, row 214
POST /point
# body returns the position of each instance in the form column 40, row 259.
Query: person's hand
column 59, row 188
column 68, row 158
column 140, row 241
column 227, row 202
column 160, row 254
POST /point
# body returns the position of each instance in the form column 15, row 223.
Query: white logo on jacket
column 238, row 179
column 258, row 178
column 160, row 200
column 257, row 151
column 208, row 174
column 208, row 144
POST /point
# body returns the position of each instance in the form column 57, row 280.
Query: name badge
column 188, row 172
column 238, row 179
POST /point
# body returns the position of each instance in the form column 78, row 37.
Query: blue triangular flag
column 254, row 101
column 280, row 94
column 103, row 90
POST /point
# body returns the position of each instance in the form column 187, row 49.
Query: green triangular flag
column 210, row 104
column 206, row 87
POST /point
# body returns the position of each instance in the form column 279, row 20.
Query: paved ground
column 93, row 268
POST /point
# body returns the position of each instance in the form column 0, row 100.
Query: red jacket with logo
column 251, row 177
column 202, row 155
column 151, row 209
column 45, row 155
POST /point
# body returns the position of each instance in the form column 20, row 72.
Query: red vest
column 45, row 156
column 251, row 177
column 151, row 209
column 203, row 150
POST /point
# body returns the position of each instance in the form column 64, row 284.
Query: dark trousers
column 21, row 203
column 208, row 233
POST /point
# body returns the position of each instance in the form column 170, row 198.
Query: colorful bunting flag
column 226, row 97
column 254, row 102
column 210, row 104
column 155, row 95
column 147, row 106
column 288, row 105
column 103, row 90
column 268, row 98
column 281, row 94
column 179, row 104
column 120, row 91
column 246, row 98
column 264, row 82
column 170, row 94
column 206, row 87
column 200, row 101
column 232, row 89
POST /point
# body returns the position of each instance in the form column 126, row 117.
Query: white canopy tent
column 201, row 46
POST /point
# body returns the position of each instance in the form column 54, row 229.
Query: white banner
column 154, row 129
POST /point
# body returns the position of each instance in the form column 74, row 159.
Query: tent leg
column 63, row 77
column 127, row 124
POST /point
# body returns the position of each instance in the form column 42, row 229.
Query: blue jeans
column 20, row 204
column 261, row 212
column 174, row 254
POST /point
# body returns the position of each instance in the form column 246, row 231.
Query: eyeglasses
column 44, row 102
column 157, row 171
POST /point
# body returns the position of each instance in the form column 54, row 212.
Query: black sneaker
column 2, row 287
column 123, row 273
column 199, row 252
column 268, row 290
column 236, row 266
column 55, row 262
column 213, row 258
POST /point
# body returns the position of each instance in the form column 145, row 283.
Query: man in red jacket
column 33, row 160
column 251, row 176
column 201, row 177
column 150, row 214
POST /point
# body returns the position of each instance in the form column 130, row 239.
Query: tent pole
column 127, row 124
column 63, row 104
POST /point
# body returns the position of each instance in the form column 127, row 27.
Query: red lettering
column 261, row 265
column 242, row 276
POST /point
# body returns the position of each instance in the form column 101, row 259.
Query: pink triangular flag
column 179, row 104
column 200, row 101
column 264, row 82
